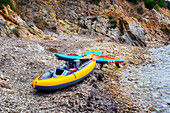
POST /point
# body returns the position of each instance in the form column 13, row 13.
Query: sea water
column 149, row 85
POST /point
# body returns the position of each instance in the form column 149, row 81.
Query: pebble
column 99, row 92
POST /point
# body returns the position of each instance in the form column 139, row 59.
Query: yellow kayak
column 65, row 75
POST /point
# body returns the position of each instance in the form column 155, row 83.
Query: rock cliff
column 30, row 36
column 122, row 21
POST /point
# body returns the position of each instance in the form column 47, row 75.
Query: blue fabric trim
column 94, row 52
column 67, row 57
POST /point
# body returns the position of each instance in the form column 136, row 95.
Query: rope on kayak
column 74, row 75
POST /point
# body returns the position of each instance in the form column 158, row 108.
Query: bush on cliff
column 5, row 2
column 157, row 6
column 95, row 1
column 153, row 3
column 161, row 3
column 168, row 4
column 150, row 4
column 134, row 1
column 113, row 23
column 16, row 32
column 110, row 17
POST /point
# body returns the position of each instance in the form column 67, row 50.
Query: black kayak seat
column 60, row 71
column 75, row 64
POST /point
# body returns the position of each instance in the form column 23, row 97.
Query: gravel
column 22, row 61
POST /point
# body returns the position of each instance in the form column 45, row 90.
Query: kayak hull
column 68, row 57
column 62, row 81
column 61, row 86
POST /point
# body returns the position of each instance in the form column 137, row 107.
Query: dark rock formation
column 132, row 32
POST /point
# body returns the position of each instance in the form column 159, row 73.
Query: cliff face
column 12, row 25
column 119, row 20
column 59, row 26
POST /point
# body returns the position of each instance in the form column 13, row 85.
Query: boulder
column 48, row 38
column 53, row 50
column 132, row 32
column 5, row 85
column 166, row 29
column 139, row 9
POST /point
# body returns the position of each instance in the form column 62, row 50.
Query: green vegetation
column 152, row 3
column 110, row 17
column 5, row 2
column 95, row 1
column 16, row 32
column 113, row 23
column 167, row 1
column 149, row 3
column 157, row 6
column 161, row 3
column 134, row 1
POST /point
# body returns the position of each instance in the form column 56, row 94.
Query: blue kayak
column 94, row 51
column 102, row 59
column 68, row 57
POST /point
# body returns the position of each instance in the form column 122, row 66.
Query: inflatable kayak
column 65, row 75
column 76, row 56
column 94, row 51
column 103, row 59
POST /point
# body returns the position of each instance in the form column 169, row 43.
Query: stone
column 34, row 37
column 140, row 9
column 54, row 50
column 5, row 85
column 152, row 109
column 26, row 38
column 48, row 38
column 166, row 29
column 132, row 31
column 99, row 40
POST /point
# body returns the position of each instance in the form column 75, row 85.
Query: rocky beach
column 31, row 35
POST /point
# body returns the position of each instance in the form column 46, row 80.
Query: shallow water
column 149, row 85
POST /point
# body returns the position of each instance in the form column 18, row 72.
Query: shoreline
column 145, row 83
column 28, row 59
